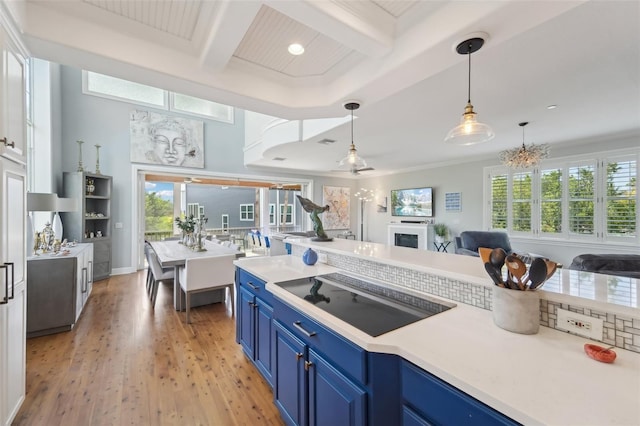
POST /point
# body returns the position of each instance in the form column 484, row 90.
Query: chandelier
column 525, row 156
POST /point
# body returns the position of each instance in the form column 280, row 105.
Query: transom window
column 128, row 91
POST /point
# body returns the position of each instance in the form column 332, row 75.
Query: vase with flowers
column 187, row 226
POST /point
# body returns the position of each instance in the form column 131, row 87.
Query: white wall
column 106, row 122
column 467, row 178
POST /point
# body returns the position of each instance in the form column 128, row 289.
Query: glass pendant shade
column 353, row 160
column 469, row 131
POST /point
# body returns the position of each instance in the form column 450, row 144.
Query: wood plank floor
column 125, row 363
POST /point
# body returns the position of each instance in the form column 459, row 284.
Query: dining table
column 175, row 254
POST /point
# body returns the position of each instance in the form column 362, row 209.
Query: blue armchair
column 469, row 241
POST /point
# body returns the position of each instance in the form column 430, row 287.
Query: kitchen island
column 544, row 378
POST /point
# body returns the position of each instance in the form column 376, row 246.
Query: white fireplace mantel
column 420, row 229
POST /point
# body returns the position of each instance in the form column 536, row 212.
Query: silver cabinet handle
column 10, row 144
column 91, row 274
column 299, row 355
column 84, row 281
column 13, row 279
column 5, row 299
column 250, row 284
column 298, row 325
column 307, row 365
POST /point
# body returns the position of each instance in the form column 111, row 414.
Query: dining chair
column 158, row 275
column 207, row 273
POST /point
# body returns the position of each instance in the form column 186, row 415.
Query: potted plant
column 441, row 231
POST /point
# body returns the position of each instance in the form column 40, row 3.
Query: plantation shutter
column 521, row 202
column 551, row 201
column 621, row 197
column 581, row 195
column 499, row 212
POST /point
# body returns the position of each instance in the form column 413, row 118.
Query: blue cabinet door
column 290, row 385
column 244, row 318
column 333, row 398
column 411, row 418
column 263, row 342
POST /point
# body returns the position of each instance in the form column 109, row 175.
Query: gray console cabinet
column 58, row 288
column 91, row 223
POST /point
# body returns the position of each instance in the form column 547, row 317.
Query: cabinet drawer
column 253, row 284
column 440, row 403
column 348, row 357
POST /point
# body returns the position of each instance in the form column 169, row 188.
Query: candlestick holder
column 80, row 167
column 98, row 159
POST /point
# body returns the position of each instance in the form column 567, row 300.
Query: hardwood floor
column 125, row 363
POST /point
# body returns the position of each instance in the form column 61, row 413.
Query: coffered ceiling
column 395, row 56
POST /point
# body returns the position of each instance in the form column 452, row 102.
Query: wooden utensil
column 552, row 267
column 517, row 269
column 485, row 254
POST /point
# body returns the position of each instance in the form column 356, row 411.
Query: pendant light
column 469, row 131
column 524, row 157
column 353, row 160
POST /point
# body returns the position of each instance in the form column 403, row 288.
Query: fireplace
column 407, row 240
column 416, row 235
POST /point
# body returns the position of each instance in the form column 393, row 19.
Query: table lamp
column 62, row 205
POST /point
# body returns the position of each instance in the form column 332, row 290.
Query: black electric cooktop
column 369, row 307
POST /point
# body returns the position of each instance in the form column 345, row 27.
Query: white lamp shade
column 41, row 202
column 66, row 205
column 57, row 227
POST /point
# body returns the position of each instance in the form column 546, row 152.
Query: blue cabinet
column 254, row 327
column 312, row 387
column 428, row 400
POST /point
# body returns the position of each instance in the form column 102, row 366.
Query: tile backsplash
column 619, row 331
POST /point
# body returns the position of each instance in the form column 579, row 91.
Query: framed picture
column 166, row 140
column 453, row 201
column 337, row 198
column 381, row 204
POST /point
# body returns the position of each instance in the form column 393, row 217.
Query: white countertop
column 544, row 378
column 620, row 295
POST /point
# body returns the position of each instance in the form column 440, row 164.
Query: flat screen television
column 413, row 202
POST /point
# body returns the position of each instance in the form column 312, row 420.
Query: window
column 225, row 221
column 581, row 199
column 551, row 201
column 123, row 90
column 128, row 91
column 621, row 197
column 521, row 199
column 584, row 199
column 272, row 214
column 201, row 107
column 246, row 212
column 499, row 207
column 286, row 214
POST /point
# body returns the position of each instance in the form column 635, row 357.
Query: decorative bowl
column 599, row 353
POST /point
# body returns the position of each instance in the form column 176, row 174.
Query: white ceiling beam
column 231, row 22
column 360, row 25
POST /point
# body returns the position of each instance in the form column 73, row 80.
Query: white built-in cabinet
column 13, row 322
column 12, row 101
column 13, row 214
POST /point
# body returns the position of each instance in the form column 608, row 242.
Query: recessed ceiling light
column 296, row 49
column 552, row 106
